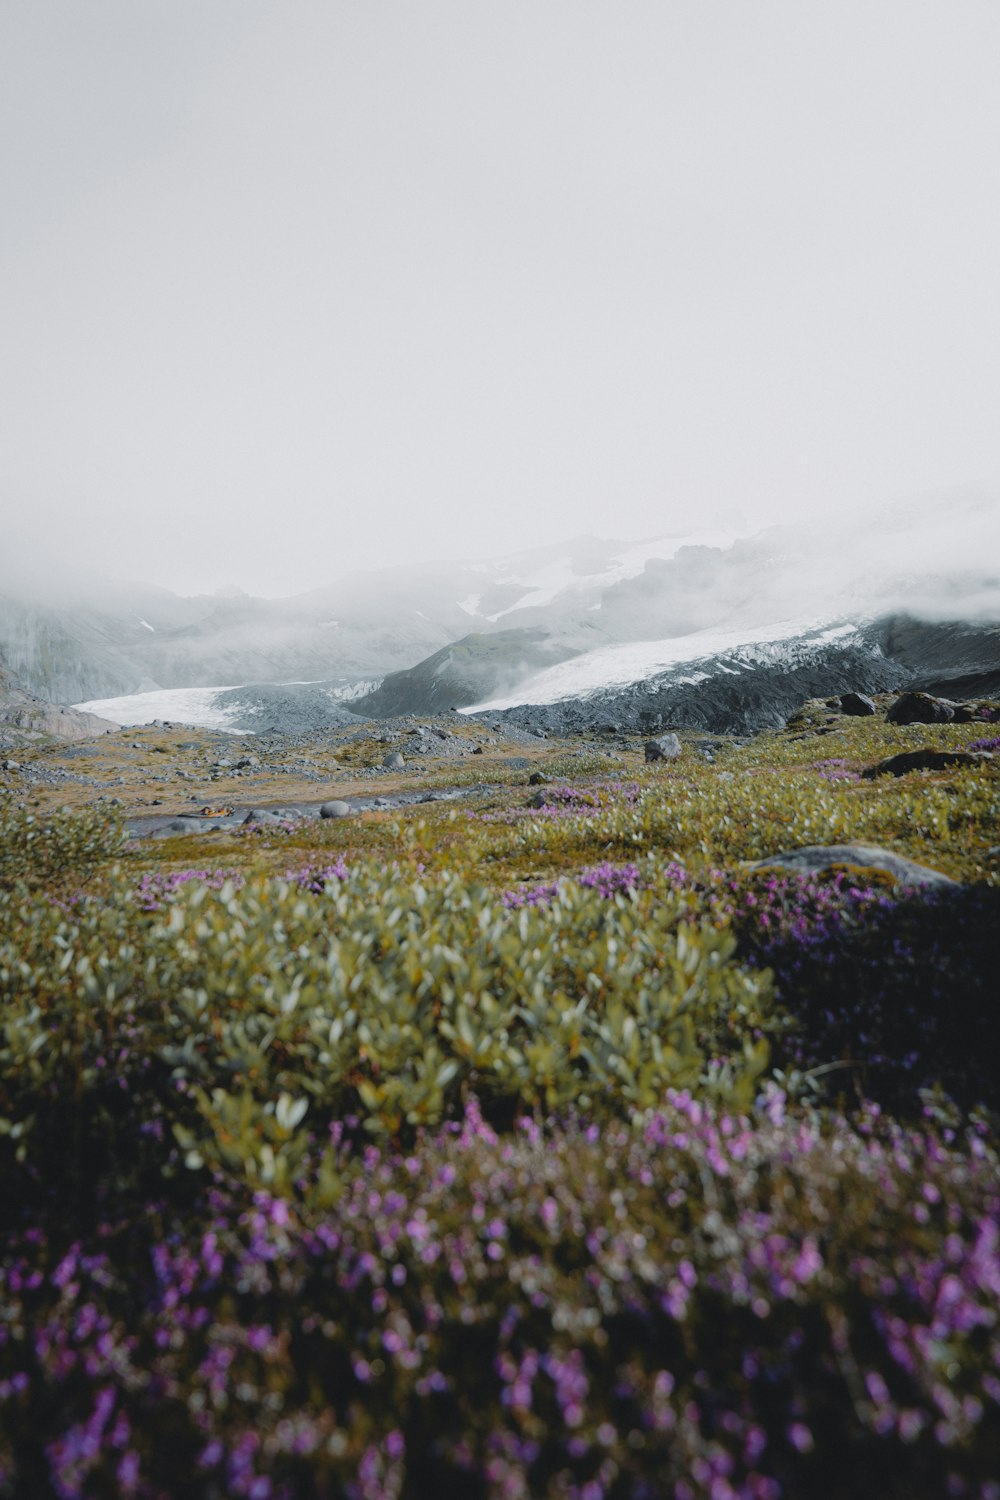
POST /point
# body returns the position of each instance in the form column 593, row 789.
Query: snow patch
column 146, row 626
column 194, row 706
column 618, row 666
column 471, row 604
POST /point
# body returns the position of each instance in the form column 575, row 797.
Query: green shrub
column 61, row 850
column 242, row 1020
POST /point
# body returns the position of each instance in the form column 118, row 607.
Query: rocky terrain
column 25, row 718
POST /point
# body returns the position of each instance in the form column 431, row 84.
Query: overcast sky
column 293, row 287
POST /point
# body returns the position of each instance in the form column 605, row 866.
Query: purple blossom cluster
column 315, row 878
column 835, row 769
column 557, row 802
column 155, row 888
column 699, row 1306
column 991, row 743
column 607, row 879
column 891, row 985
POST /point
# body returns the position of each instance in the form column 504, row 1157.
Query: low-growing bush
column 890, row 990
column 56, row 851
column 381, row 995
column 695, row 1306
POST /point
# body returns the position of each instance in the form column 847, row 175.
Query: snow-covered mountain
column 742, row 682
column 701, row 655
column 93, row 639
column 508, row 630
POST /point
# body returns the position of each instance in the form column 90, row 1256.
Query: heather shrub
column 693, row 1306
column 891, row 990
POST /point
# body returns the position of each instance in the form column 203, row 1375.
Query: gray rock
column 813, row 859
column 176, row 825
column 926, row 760
column 920, row 708
column 335, row 809
column 664, row 747
column 394, row 761
column 857, row 705
column 538, row 778
column 262, row 815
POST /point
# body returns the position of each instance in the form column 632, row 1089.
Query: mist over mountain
column 452, row 634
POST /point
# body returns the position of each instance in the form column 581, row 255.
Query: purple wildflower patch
column 835, row 770
column 894, row 986
column 709, row 1305
column 154, row 889
column 315, row 878
column 607, row 879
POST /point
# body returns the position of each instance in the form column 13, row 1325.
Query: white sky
column 290, row 288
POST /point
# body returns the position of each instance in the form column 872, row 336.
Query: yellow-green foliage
column 385, row 995
column 706, row 817
column 52, row 851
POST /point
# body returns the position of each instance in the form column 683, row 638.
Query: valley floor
column 544, row 1136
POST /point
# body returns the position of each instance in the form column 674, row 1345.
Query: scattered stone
column 813, row 859
column 478, row 750
column 665, row 747
column 926, row 760
column 394, row 761
column 920, row 708
column 857, row 705
column 335, row 809
column 247, row 763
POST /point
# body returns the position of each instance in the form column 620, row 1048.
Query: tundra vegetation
column 528, row 1146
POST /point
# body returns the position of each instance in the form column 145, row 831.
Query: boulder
column 814, row 859
column 920, row 708
column 857, row 705
column 926, row 759
column 393, row 761
column 664, row 747
column 538, row 778
column 335, row 809
column 262, row 815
